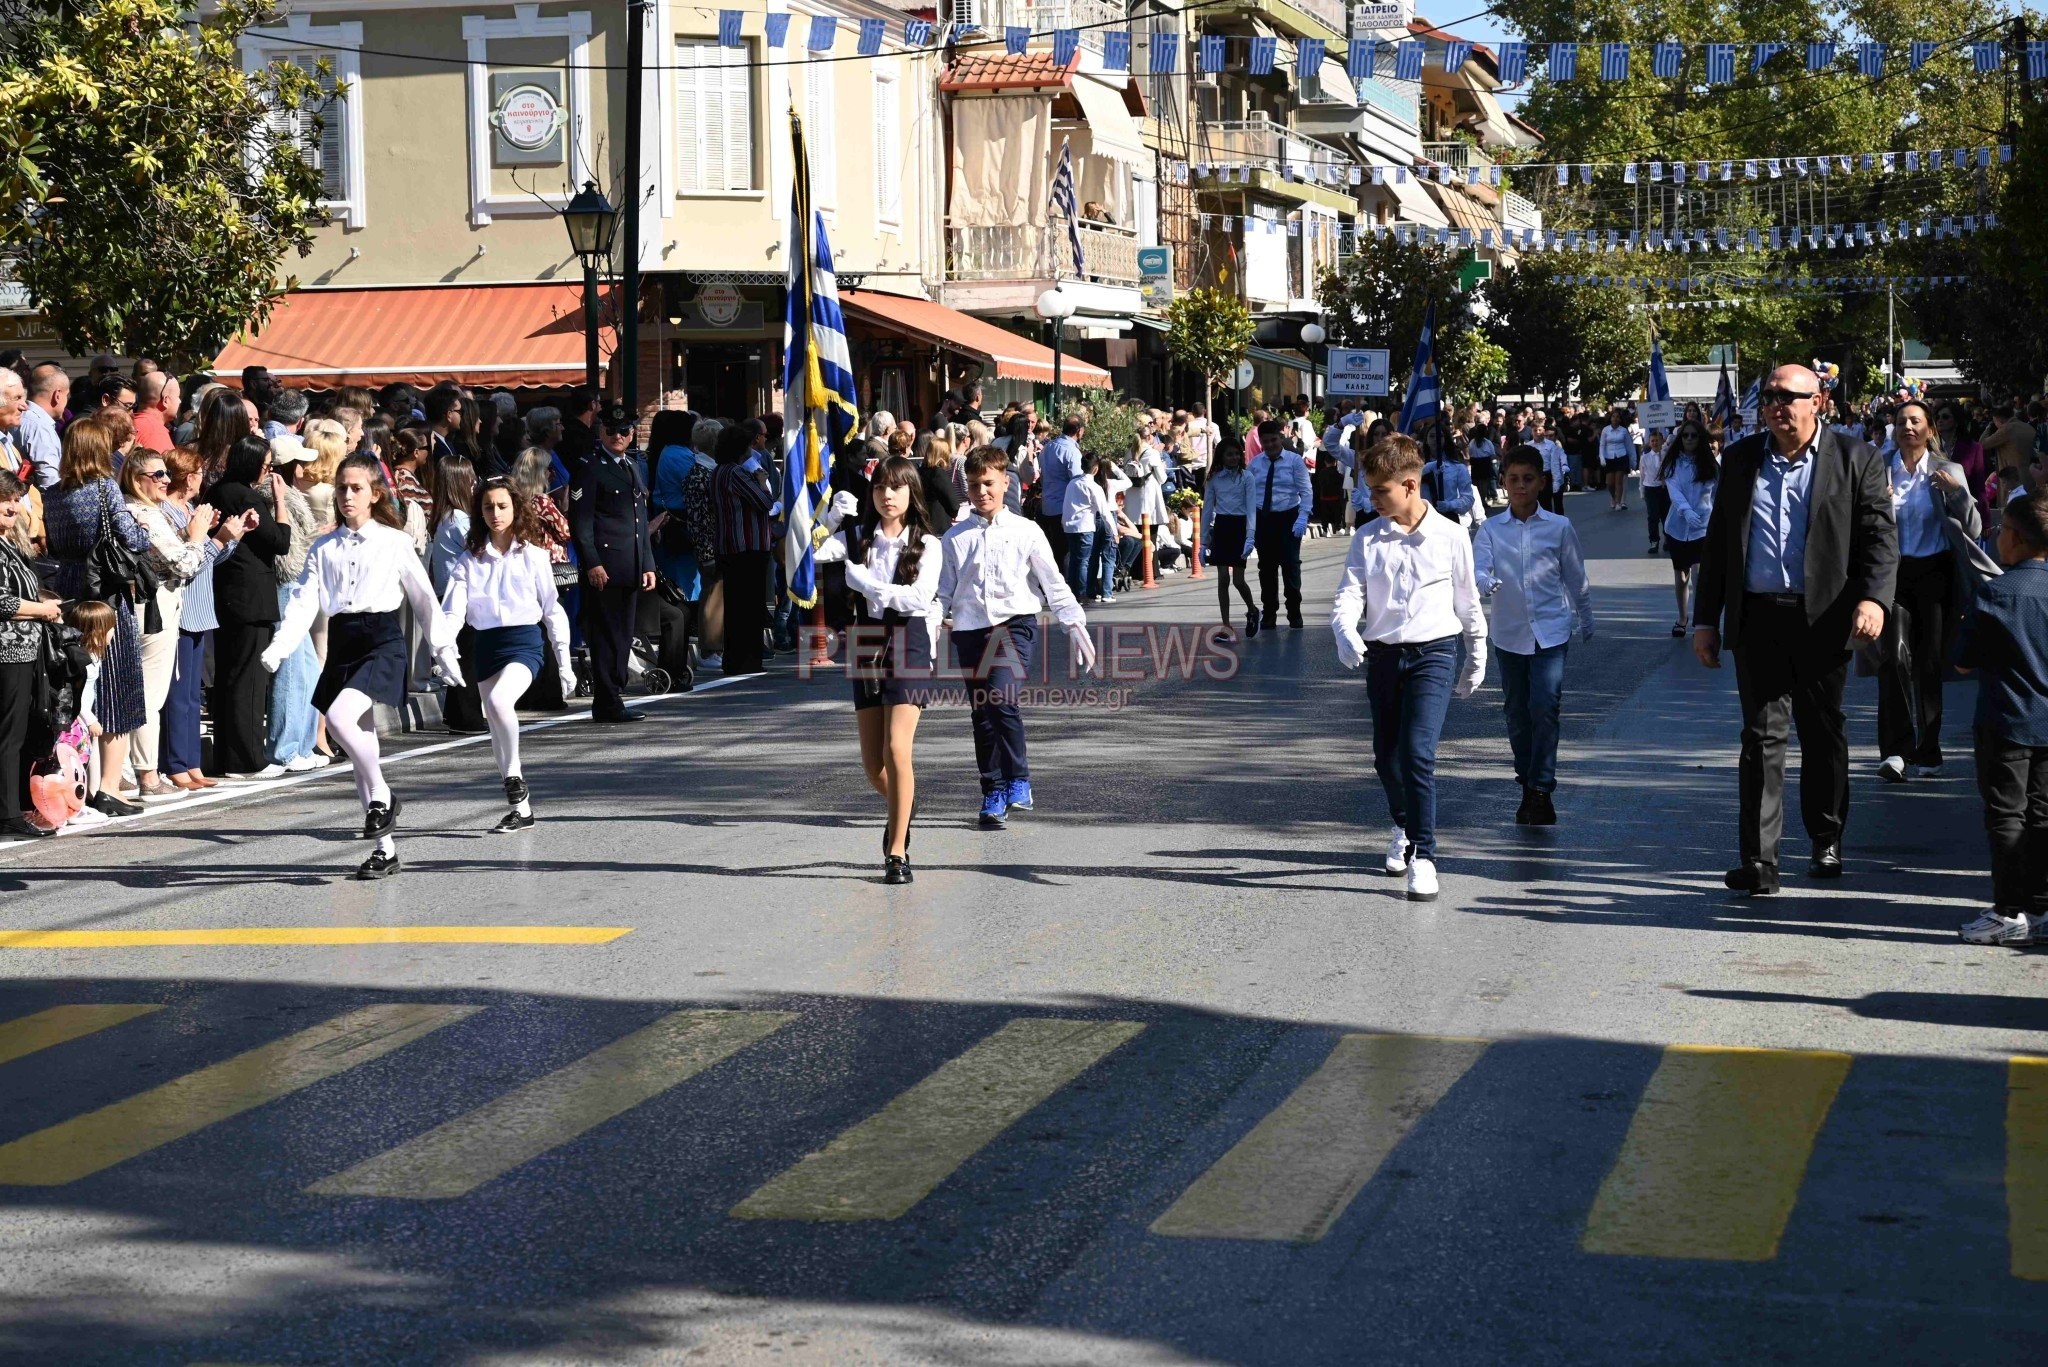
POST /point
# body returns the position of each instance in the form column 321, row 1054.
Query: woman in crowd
column 941, row 499
column 84, row 509
column 1447, row 481
column 327, row 440
column 245, row 604
column 501, row 591
column 1229, row 503
column 1956, row 434
column 1362, row 510
column 181, row 759
column 360, row 575
column 294, row 726
column 1933, row 592
column 1690, row 473
column 177, row 553
column 23, row 616
column 893, row 564
column 675, row 553
column 700, row 512
column 223, row 420
column 532, row 477
column 742, row 497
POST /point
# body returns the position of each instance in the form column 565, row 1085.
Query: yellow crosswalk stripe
column 59, row 1024
column 313, row 935
column 2026, row 1165
column 468, row 1151
column 1299, row 1168
column 1715, row 1154
column 113, row 1134
column 892, row 1160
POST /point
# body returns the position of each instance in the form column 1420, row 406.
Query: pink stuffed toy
column 57, row 784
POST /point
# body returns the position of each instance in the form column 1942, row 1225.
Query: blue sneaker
column 995, row 810
column 1020, row 795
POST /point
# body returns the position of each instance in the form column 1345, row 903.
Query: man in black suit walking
column 608, row 519
column 1798, row 569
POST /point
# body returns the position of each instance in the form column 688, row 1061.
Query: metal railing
column 1233, row 140
column 1458, row 155
column 1329, row 13
column 1517, row 212
column 1092, row 17
column 1109, row 253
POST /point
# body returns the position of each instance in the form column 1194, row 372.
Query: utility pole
column 629, row 287
column 1891, row 372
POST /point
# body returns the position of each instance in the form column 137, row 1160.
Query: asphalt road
column 1164, row 1073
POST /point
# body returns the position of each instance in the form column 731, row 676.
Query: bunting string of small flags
column 1777, row 237
column 1681, row 305
column 1816, row 166
column 1403, row 59
column 1773, row 282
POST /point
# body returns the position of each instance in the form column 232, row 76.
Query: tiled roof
column 1008, row 71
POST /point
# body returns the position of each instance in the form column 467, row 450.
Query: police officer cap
column 616, row 418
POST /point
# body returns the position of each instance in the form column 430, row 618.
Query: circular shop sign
column 719, row 302
column 528, row 116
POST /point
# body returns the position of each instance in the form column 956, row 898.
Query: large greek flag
column 1724, row 398
column 1422, row 400
column 818, row 409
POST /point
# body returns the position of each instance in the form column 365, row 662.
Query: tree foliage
column 1473, row 367
column 1208, row 331
column 1378, row 295
column 149, row 203
column 1559, row 336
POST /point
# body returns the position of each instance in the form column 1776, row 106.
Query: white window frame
column 341, row 45
column 526, row 22
column 759, row 172
column 888, row 93
column 821, row 134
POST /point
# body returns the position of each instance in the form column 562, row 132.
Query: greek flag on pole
column 1720, row 63
column 1614, row 61
column 1666, row 59
column 1724, row 397
column 729, row 27
column 1564, row 61
column 1067, row 202
column 1660, row 385
column 1423, row 400
column 1751, row 398
column 1514, row 63
column 817, row 379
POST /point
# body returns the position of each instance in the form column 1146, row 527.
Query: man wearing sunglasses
column 1798, row 568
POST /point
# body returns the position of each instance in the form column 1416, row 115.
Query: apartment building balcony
column 1510, row 209
column 1266, row 147
column 1092, row 18
column 1296, row 18
column 1005, row 268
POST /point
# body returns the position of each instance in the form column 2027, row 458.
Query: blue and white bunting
column 824, row 31
column 1265, row 51
column 1563, row 64
column 1667, row 59
column 776, row 28
column 1614, row 61
column 729, row 27
column 1720, row 63
column 1820, row 55
column 1165, row 51
column 1210, row 54
column 1016, row 38
column 1870, row 59
column 2037, row 59
column 917, row 32
column 1457, row 52
column 1116, row 50
column 1065, row 43
column 1919, row 53
column 1308, row 59
column 1988, row 56
column 872, row 31
column 1514, row 63
column 1408, row 61
column 1762, row 53
column 1358, row 58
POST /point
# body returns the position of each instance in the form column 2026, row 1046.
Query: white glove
column 450, row 665
column 568, row 679
column 1084, row 648
column 271, row 661
column 845, row 505
column 1350, row 652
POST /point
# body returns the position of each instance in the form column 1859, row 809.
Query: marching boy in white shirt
column 997, row 576
column 1529, row 560
column 1409, row 574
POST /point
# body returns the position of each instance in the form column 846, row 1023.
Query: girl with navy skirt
column 503, row 589
column 892, row 574
column 1228, row 504
column 361, row 574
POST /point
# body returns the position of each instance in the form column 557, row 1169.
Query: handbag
column 112, row 570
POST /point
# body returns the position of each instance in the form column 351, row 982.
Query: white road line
column 269, row 787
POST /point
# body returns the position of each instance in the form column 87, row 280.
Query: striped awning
column 496, row 335
column 1007, row 355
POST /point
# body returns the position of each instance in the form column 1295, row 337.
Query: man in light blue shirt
column 1777, row 522
column 1059, row 465
column 1284, row 495
column 49, row 389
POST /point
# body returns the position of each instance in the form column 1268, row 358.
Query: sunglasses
column 160, row 476
column 1785, row 396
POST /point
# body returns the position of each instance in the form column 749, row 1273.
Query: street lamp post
column 592, row 223
column 1312, row 336
column 1055, row 306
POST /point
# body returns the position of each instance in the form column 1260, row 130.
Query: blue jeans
column 1104, row 569
column 993, row 685
column 180, row 725
column 1410, row 690
column 1079, row 568
column 1533, row 691
column 292, row 719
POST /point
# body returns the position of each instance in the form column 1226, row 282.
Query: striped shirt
column 742, row 499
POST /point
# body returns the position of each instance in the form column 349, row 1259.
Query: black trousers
column 746, row 609
column 1788, row 675
column 607, row 617
column 668, row 626
column 1909, row 699
column 1056, row 533
column 241, row 695
column 1279, row 561
column 1553, row 499
column 2013, row 781
column 1656, row 507
column 17, row 700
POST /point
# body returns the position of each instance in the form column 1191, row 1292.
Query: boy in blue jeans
column 1528, row 560
column 2004, row 640
column 1409, row 574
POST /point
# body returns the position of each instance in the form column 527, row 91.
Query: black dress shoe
column 378, row 865
column 1522, row 812
column 107, row 804
column 614, row 718
column 20, row 828
column 512, row 821
column 896, row 870
column 1827, row 860
column 1541, row 812
column 381, row 818
column 1251, row 624
column 1758, row 880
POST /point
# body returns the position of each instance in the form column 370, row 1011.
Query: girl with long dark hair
column 361, row 574
column 1228, row 504
column 892, row 565
column 1690, row 474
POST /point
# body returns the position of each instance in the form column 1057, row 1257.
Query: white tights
column 350, row 720
column 501, row 693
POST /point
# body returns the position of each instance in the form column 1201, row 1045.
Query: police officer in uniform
column 608, row 518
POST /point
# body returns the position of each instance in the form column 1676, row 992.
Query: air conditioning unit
column 965, row 12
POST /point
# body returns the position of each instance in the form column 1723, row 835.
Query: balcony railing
column 1459, row 155
column 1109, row 253
column 1261, row 140
column 1328, row 12
column 1517, row 212
column 1092, row 17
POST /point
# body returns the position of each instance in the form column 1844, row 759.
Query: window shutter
column 690, row 116
column 714, row 117
column 888, row 153
column 818, row 134
column 738, row 133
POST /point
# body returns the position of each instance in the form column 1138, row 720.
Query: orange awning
column 1007, row 355
column 497, row 335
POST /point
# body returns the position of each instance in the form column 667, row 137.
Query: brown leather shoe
column 184, row 781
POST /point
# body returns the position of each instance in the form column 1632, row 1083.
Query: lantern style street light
column 1056, row 306
column 592, row 223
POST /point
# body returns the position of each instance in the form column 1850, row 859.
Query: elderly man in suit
column 1798, row 569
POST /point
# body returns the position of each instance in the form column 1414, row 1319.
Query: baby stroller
column 660, row 655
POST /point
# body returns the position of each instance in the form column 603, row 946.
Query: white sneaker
column 1893, row 770
column 1991, row 928
column 711, row 662
column 1397, row 852
column 268, row 771
column 304, row 764
column 2024, row 931
column 1422, row 880
column 85, row 816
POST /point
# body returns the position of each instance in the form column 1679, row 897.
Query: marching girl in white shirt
column 503, row 589
column 360, row 574
column 1229, row 509
column 892, row 565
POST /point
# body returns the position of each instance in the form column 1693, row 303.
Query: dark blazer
column 1852, row 545
column 608, row 519
column 245, row 580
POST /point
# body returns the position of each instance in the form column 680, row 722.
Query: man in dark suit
column 1798, row 568
column 608, row 519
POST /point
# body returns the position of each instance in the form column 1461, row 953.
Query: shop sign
column 1155, row 276
column 720, row 303
column 1358, row 372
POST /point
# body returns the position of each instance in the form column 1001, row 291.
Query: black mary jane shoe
column 896, row 870
column 382, row 818
column 378, row 865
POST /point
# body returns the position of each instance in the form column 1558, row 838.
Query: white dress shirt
column 1001, row 567
column 1087, row 506
column 1555, row 463
column 1537, row 577
column 917, row 600
column 1411, row 587
column 1616, row 444
column 513, row 589
column 369, row 569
